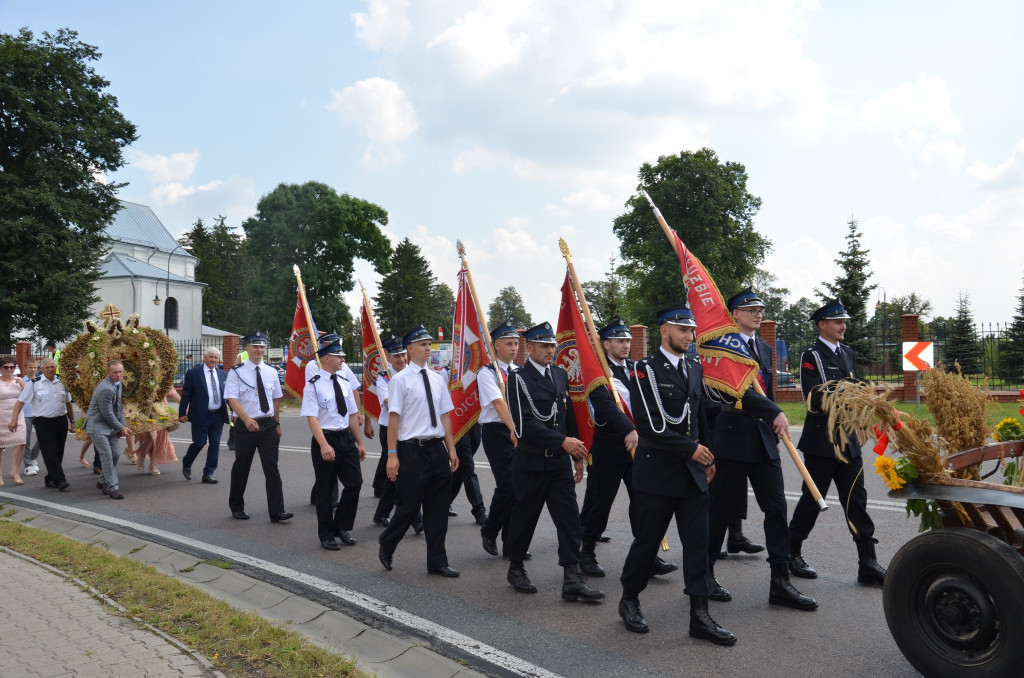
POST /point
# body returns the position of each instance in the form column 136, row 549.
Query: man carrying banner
column 745, row 442
column 671, row 471
column 542, row 464
column 497, row 434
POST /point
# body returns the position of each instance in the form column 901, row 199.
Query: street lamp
column 167, row 284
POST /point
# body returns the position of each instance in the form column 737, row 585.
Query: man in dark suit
column 542, row 464
column 671, row 471
column 746, row 443
column 203, row 405
column 823, row 364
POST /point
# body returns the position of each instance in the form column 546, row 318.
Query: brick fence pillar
column 767, row 332
column 22, row 351
column 520, row 359
column 638, row 344
column 229, row 349
column 909, row 326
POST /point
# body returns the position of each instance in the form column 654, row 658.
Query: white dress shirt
column 407, row 399
column 623, row 389
column 320, row 401
column 212, row 381
column 383, row 385
column 241, row 385
column 48, row 398
column 490, row 391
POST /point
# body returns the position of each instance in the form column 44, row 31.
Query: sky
column 510, row 124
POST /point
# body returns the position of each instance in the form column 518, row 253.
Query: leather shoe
column 631, row 615
column 385, row 558
column 480, row 515
column 50, row 483
column 451, row 513
column 330, row 544
column 661, row 567
column 64, row 485
column 280, row 517
column 240, row 515
column 490, row 545
column 210, row 480
column 444, row 571
column 719, row 592
column 520, row 582
column 187, row 472
column 417, row 528
column 799, row 567
column 383, row 521
column 346, row 538
column 604, row 539
column 113, row 494
column 703, row 626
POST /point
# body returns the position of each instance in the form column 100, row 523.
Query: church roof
column 138, row 225
column 118, row 265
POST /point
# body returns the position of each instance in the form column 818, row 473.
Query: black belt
column 421, row 442
column 59, row 416
column 494, row 425
column 656, row 444
column 525, row 447
column 609, row 435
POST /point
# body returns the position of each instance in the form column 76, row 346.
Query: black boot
column 661, row 567
column 797, row 565
column 589, row 565
column 738, row 542
column 782, row 592
column 868, row 569
column 629, row 610
column 574, row 588
column 703, row 626
column 517, row 577
column 718, row 592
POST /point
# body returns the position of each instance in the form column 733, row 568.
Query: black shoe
column 738, row 542
column 661, row 567
column 210, row 480
column 799, row 567
column 240, row 515
column 113, row 494
column 490, row 545
column 520, row 582
column 480, row 515
column 703, row 626
column 451, row 513
column 588, row 561
column 50, row 483
column 330, row 544
column 64, row 486
column 187, row 472
column 604, row 539
column 383, row 521
column 629, row 610
column 280, row 517
column 719, row 592
column 526, row 556
column 346, row 538
column 444, row 571
column 782, row 591
column 385, row 558
column 868, row 569
column 574, row 588
column 417, row 528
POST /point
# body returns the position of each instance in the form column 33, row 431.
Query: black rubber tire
column 954, row 602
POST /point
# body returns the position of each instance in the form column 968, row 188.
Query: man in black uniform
column 542, row 464
column 615, row 440
column 746, row 447
column 824, row 363
column 671, row 472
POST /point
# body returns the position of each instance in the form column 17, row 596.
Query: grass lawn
column 796, row 412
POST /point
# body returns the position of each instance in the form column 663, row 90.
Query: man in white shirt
column 53, row 418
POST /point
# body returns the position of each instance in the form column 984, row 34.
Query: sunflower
column 886, row 468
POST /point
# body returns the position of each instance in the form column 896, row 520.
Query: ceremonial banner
column 576, row 354
column 372, row 366
column 728, row 364
column 468, row 357
column 302, row 347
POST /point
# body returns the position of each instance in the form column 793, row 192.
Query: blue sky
column 509, row 125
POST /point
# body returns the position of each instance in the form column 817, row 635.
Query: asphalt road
column 478, row 617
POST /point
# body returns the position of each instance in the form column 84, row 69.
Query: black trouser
column 52, row 433
column 556, row 487
column 247, row 443
column 380, row 476
column 730, row 485
column 465, row 449
column 424, row 479
column 824, row 471
column 344, row 468
column 603, row 478
column 653, row 514
column 498, row 448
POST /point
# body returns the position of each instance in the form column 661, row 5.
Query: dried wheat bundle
column 958, row 407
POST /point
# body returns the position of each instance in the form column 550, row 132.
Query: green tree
column 606, row 298
column 409, row 294
column 774, row 298
column 508, row 305
column 706, row 201
column 852, row 289
column 1012, row 344
column 60, row 128
column 794, row 326
column 887, row 326
column 962, row 343
column 311, row 226
column 223, row 265
column 441, row 312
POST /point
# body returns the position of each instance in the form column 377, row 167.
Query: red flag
column 468, row 357
column 301, row 349
column 576, row 354
column 372, row 366
column 728, row 364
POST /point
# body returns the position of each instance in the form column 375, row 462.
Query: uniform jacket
column 815, row 360
column 611, row 425
column 101, row 417
column 538, row 438
column 195, row 397
column 663, row 457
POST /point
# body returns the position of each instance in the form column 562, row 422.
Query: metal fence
column 190, row 354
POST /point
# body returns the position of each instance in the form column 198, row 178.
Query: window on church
column 171, row 313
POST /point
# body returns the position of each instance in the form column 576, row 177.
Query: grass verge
column 797, row 412
column 241, row 644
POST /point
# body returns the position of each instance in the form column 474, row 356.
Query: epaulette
column 237, row 366
column 315, row 377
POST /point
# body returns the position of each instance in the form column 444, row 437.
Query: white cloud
column 176, row 167
column 485, row 40
column 923, row 105
column 943, row 154
column 385, row 27
column 384, row 113
column 1007, row 173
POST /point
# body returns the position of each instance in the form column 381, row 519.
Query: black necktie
column 342, row 407
column 264, row 404
column 839, row 353
column 682, row 371
column 430, row 398
column 753, row 349
column 551, row 380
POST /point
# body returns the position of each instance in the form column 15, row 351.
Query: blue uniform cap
column 617, row 329
column 394, row 345
column 328, row 338
column 541, row 334
column 504, row 331
column 832, row 310
column 256, row 339
column 745, row 298
column 333, row 348
column 677, row 314
column 418, row 333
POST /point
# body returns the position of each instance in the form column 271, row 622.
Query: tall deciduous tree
column 606, row 298
column 706, row 201
column 962, row 343
column 774, row 298
column 310, row 225
column 508, row 305
column 60, row 128
column 851, row 287
column 410, row 294
column 223, row 265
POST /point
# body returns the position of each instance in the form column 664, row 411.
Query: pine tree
column 962, row 344
column 410, row 295
column 1012, row 344
column 852, row 289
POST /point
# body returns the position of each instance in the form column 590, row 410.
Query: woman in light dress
column 10, row 389
column 157, row 445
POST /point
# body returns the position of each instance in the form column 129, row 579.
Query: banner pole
column 376, row 334
column 309, row 316
column 488, row 346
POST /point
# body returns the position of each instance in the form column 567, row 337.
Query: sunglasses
column 9, row 367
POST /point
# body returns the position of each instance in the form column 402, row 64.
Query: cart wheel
column 953, row 600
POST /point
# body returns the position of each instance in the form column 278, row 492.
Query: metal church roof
column 118, row 265
column 138, row 225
